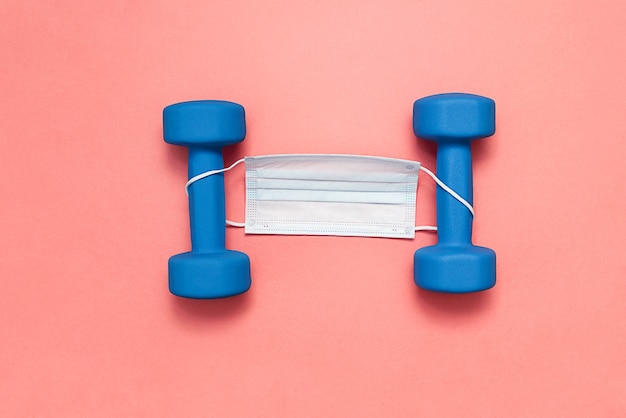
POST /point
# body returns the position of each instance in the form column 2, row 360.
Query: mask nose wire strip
column 417, row 228
column 210, row 173
column 448, row 189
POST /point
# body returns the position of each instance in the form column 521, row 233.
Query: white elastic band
column 425, row 228
column 236, row 224
column 448, row 189
column 210, row 173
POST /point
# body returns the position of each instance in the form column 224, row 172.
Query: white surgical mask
column 329, row 194
column 346, row 195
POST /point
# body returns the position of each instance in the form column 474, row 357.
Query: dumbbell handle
column 454, row 168
column 207, row 209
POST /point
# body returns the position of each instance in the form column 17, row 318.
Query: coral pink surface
column 93, row 204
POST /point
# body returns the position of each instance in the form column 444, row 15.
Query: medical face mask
column 327, row 194
column 346, row 195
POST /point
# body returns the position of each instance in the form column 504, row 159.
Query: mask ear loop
column 447, row 189
column 236, row 224
column 210, row 173
column 425, row 228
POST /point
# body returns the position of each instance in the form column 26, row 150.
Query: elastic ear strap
column 425, row 228
column 209, row 173
column 236, row 224
column 448, row 189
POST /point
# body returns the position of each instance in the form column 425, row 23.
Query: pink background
column 93, row 204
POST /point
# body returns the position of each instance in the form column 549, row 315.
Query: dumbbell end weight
column 455, row 269
column 204, row 123
column 209, row 275
column 209, row 270
column 454, row 264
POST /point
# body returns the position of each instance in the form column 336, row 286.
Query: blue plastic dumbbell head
column 454, row 264
column 204, row 123
column 209, row 270
column 209, row 275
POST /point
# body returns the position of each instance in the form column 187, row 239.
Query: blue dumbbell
column 454, row 264
column 209, row 270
